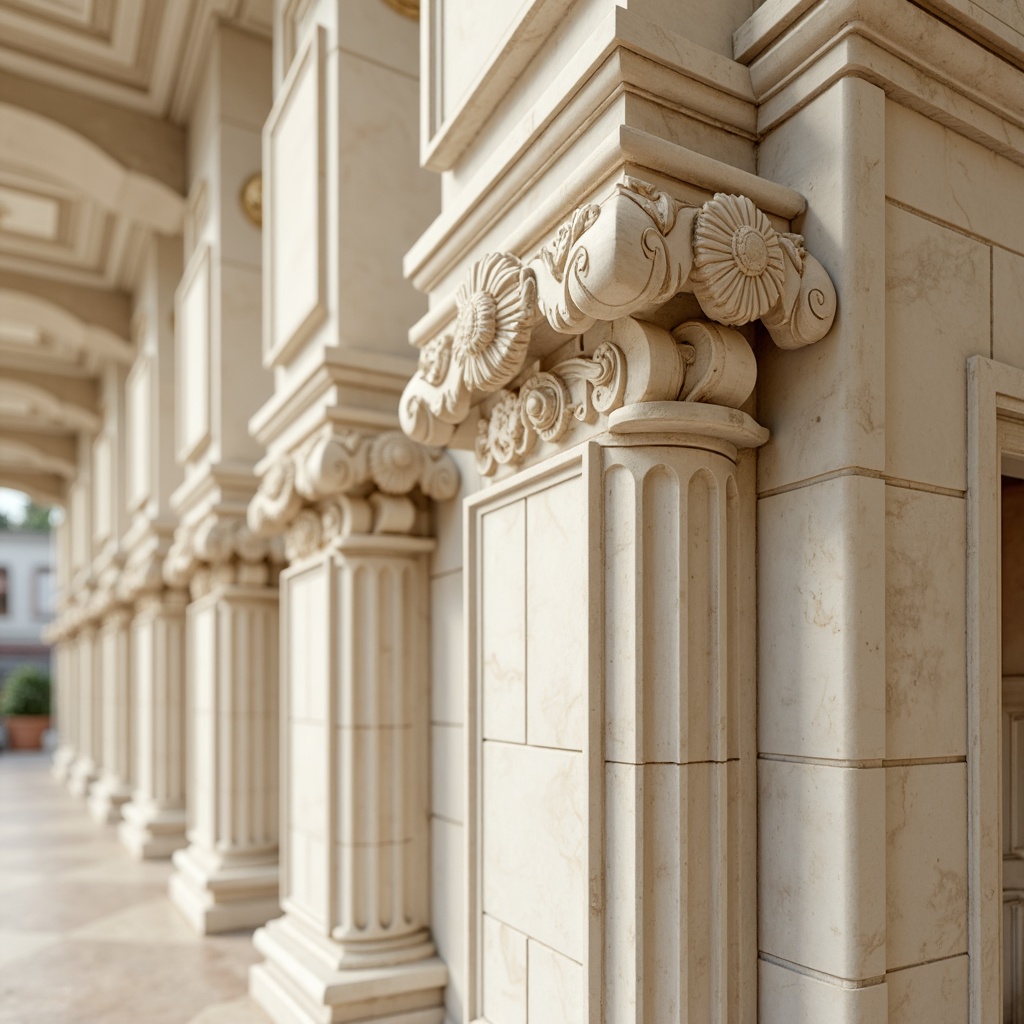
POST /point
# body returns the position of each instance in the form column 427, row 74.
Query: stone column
column 113, row 787
column 154, row 818
column 85, row 769
column 65, row 705
column 227, row 877
column 354, row 943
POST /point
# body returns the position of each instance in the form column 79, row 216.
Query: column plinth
column 154, row 819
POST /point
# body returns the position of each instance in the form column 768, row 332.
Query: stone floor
column 87, row 935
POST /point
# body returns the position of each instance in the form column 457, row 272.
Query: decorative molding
column 251, row 198
column 640, row 365
column 407, row 8
column 546, row 405
column 633, row 252
column 339, row 483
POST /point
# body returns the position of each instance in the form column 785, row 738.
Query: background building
column 640, row 644
column 27, row 600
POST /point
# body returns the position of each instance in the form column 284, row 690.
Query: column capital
column 219, row 550
column 625, row 257
column 339, row 483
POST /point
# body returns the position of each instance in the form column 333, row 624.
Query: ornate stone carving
column 633, row 252
column 738, row 266
column 547, row 403
column 277, row 499
column 497, row 308
column 325, row 488
column 219, row 550
column 699, row 362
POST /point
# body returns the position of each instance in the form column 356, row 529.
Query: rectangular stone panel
column 294, row 160
column 557, row 605
column 534, row 843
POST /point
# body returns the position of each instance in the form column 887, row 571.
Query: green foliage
column 26, row 692
column 37, row 517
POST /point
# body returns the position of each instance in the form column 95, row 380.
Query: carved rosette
column 497, row 309
column 738, row 266
column 607, row 262
column 341, row 483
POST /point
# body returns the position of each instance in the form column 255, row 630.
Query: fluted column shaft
column 355, row 845
column 113, row 788
column 154, row 818
column 679, row 770
column 90, row 723
column 65, row 704
column 227, row 878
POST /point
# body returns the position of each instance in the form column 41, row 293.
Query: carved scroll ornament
column 341, row 483
column 633, row 252
column 699, row 361
column 219, row 550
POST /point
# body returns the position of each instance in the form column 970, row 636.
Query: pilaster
column 65, row 704
column 154, row 819
column 354, row 943
column 227, row 877
column 606, row 384
column 85, row 769
column 114, row 785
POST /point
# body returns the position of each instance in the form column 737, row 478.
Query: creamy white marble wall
column 821, row 589
column 950, row 295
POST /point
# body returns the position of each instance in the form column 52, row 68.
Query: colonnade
column 242, row 643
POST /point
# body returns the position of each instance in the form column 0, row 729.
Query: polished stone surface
column 87, row 934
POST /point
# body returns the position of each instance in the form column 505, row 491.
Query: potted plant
column 25, row 704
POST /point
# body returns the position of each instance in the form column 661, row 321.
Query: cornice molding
column 630, row 254
column 920, row 57
column 341, row 483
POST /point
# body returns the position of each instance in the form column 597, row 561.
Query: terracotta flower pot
column 25, row 732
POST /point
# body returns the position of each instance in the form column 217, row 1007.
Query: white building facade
column 26, row 597
column 543, row 530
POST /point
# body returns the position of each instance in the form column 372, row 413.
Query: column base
column 63, row 760
column 106, row 798
column 151, row 833
column 297, row 985
column 82, row 776
column 223, row 898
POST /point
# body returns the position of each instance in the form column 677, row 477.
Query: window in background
column 3, row 591
column 42, row 593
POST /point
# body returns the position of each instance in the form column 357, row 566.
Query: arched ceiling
column 144, row 55
column 94, row 95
